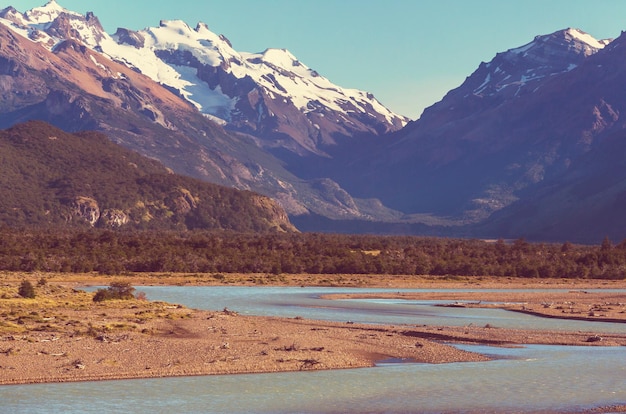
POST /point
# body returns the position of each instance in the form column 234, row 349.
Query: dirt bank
column 62, row 335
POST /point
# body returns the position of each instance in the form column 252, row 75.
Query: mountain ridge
column 520, row 123
column 240, row 88
column 465, row 126
column 90, row 91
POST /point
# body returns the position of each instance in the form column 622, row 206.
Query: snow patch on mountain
column 280, row 73
column 587, row 38
column 277, row 70
column 47, row 13
column 545, row 56
column 209, row 101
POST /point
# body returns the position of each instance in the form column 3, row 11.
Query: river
column 525, row 380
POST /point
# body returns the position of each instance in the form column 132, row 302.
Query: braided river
column 529, row 379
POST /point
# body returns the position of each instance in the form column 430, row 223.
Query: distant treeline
column 114, row 252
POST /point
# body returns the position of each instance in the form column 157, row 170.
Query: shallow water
column 521, row 380
column 306, row 302
column 531, row 379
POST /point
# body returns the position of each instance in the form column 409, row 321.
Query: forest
column 47, row 177
column 120, row 252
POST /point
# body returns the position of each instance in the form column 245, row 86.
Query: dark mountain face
column 51, row 178
column 518, row 120
column 585, row 203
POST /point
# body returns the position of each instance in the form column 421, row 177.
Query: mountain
column 520, row 121
column 52, row 178
column 468, row 154
column 525, row 131
column 270, row 94
column 61, row 67
column 585, row 203
column 586, row 199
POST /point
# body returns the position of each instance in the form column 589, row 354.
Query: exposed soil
column 578, row 303
column 62, row 335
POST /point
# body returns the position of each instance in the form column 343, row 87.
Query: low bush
column 26, row 290
column 116, row 290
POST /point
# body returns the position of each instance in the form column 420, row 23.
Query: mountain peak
column 283, row 57
column 512, row 71
column 47, row 13
column 176, row 24
column 586, row 38
column 567, row 41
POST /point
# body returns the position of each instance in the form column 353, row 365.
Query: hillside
column 158, row 92
column 585, row 202
column 52, row 178
column 503, row 155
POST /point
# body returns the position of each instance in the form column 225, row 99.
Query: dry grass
column 342, row 280
column 65, row 309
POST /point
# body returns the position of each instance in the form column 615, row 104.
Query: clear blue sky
column 408, row 53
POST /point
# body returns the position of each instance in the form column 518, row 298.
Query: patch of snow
column 98, row 64
column 215, row 119
column 482, row 86
column 47, row 13
column 587, row 38
column 207, row 100
column 278, row 71
column 522, row 49
column 22, row 31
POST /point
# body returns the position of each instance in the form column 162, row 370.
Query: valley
column 173, row 208
column 517, row 150
column 63, row 335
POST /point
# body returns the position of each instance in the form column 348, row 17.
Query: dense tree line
column 113, row 252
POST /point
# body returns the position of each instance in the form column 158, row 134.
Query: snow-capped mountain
column 271, row 95
column 514, row 73
column 516, row 70
column 53, row 68
column 539, row 124
column 517, row 123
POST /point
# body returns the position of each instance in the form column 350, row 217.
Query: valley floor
column 62, row 335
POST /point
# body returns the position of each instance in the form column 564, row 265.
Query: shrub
column 26, row 290
column 116, row 290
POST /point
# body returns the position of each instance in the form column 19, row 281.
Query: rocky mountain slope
column 523, row 121
column 54, row 67
column 522, row 129
column 584, row 203
column 52, row 178
column 495, row 134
